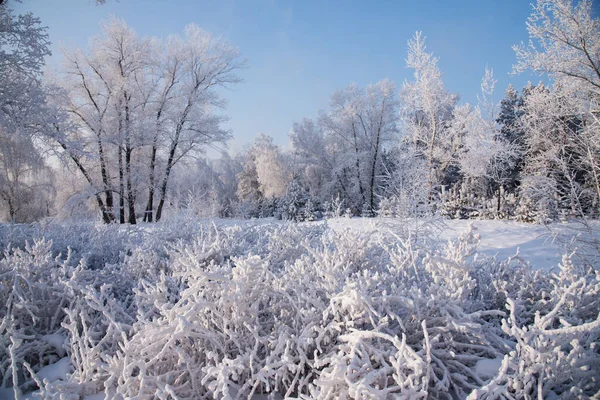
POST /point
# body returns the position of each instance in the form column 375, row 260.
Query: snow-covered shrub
column 581, row 238
column 367, row 211
column 556, row 354
column 537, row 203
column 97, row 323
column 34, row 300
column 458, row 203
column 387, row 208
column 399, row 206
column 286, row 324
column 97, row 244
column 508, row 207
column 427, row 296
column 334, row 208
column 247, row 209
column 15, row 235
column 299, row 310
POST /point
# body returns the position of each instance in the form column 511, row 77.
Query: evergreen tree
column 511, row 133
column 248, row 190
column 298, row 205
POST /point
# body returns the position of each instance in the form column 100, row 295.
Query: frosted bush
column 206, row 311
column 556, row 355
column 34, row 300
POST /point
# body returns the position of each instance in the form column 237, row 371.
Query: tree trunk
column 150, row 205
column 121, row 187
column 499, row 206
column 106, row 216
column 171, row 160
column 373, row 167
column 107, row 212
column 130, row 191
column 163, row 187
column 594, row 174
column 11, row 209
column 148, row 214
column 375, row 155
column 360, row 186
column 121, row 175
column 430, row 157
column 128, row 151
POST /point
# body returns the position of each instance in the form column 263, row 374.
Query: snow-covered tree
column 25, row 44
column 141, row 106
column 315, row 159
column 91, row 85
column 298, row 205
column 342, row 122
column 553, row 176
column 342, row 151
column 404, row 195
column 426, row 109
column 511, row 133
column 208, row 63
column 25, row 182
column 565, row 44
column 483, row 159
column 378, row 121
column 248, row 188
column 272, row 169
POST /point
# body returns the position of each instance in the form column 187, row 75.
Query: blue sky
column 299, row 52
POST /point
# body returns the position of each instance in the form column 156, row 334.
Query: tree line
column 130, row 117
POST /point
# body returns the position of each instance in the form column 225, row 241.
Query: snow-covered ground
column 536, row 244
column 504, row 239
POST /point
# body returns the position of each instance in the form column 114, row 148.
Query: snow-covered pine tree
column 297, row 204
column 511, row 132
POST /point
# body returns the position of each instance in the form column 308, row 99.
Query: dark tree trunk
column 499, row 208
column 373, row 167
column 128, row 151
column 375, row 157
column 148, row 214
column 121, row 188
column 107, row 212
column 171, row 161
column 163, row 187
column 11, row 209
column 150, row 205
column 360, row 186
column 130, row 193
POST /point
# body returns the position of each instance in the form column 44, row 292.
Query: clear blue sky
column 299, row 52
